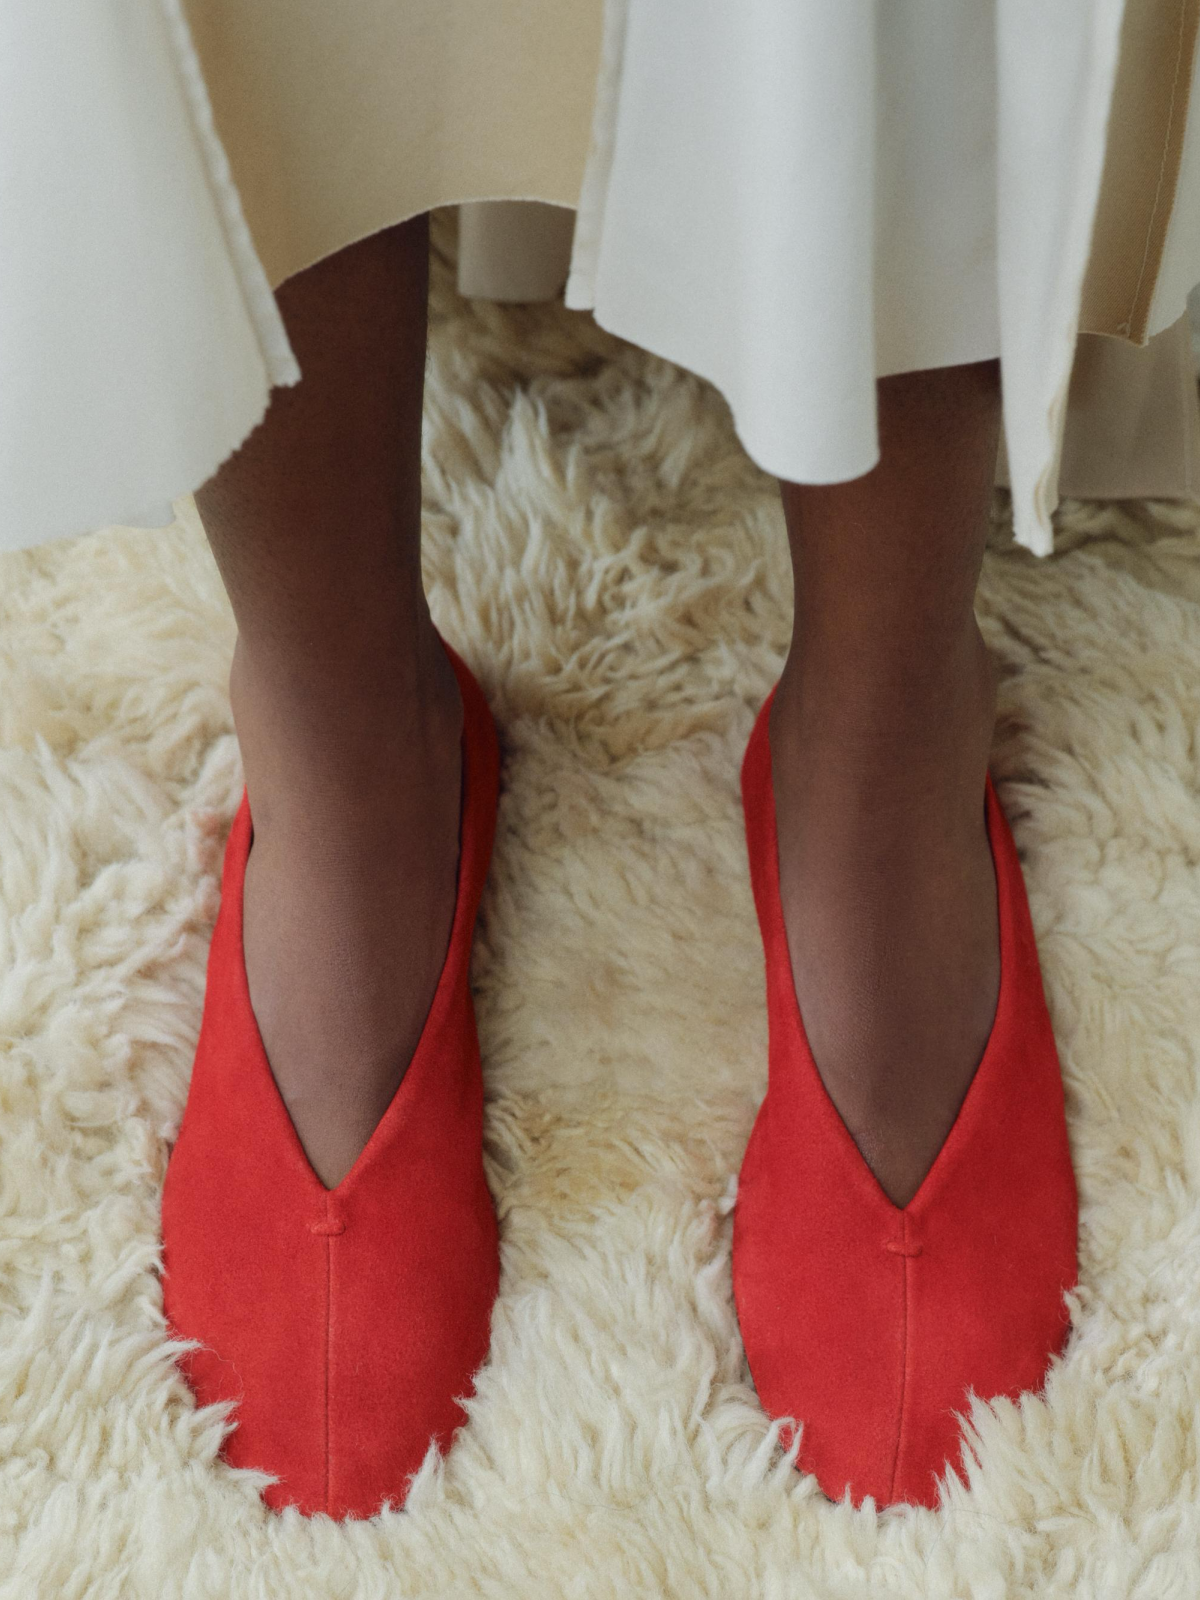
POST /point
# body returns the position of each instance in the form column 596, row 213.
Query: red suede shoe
column 347, row 1322
column 868, row 1322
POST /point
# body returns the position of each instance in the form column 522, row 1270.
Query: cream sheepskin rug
column 615, row 571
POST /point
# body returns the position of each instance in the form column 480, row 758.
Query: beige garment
column 514, row 250
column 1133, row 420
column 1133, row 416
column 498, row 98
column 340, row 120
column 931, row 197
column 1143, row 169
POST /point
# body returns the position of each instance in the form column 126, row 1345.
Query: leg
column 347, row 711
column 880, row 732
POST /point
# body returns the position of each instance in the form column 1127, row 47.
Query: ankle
column 384, row 741
column 873, row 733
column 408, row 671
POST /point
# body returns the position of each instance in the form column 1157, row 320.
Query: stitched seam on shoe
column 905, row 1257
column 328, row 1347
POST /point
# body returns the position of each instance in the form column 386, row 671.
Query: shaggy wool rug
column 615, row 571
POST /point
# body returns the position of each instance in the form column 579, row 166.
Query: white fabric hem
column 1038, row 340
column 689, row 243
column 278, row 357
column 139, row 338
column 580, row 292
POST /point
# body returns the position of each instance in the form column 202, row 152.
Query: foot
column 889, row 894
column 350, row 883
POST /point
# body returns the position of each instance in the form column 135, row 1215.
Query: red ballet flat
column 867, row 1322
column 345, row 1324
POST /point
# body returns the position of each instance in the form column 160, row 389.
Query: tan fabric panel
column 514, row 250
column 307, row 97
column 1133, row 420
column 1141, row 169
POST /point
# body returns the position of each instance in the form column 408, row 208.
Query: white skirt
column 789, row 197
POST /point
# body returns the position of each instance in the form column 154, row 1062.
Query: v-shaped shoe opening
column 759, row 798
column 474, row 794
